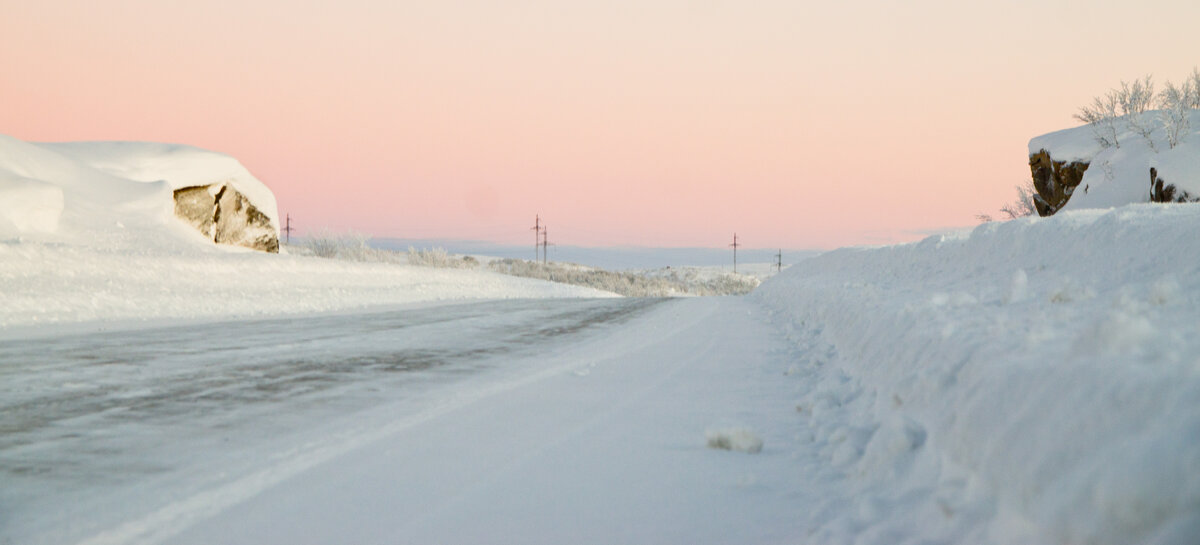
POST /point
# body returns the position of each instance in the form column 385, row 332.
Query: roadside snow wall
column 1040, row 377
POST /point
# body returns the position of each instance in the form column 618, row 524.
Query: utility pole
column 779, row 260
column 545, row 243
column 537, row 235
column 735, row 247
column 288, row 229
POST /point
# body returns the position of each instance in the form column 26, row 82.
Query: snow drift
column 213, row 192
column 95, row 189
column 1036, row 380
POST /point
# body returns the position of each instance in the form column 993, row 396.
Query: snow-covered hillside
column 1032, row 381
column 1119, row 175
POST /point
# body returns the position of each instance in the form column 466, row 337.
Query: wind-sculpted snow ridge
column 1033, row 381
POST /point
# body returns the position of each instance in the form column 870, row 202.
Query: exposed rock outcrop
column 1059, row 162
column 223, row 214
column 1055, row 181
column 1161, row 191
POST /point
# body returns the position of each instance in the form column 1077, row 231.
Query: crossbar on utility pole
column 735, row 247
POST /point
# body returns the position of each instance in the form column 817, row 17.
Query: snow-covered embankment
column 91, row 233
column 1044, row 373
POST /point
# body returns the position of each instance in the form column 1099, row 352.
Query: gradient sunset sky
column 646, row 123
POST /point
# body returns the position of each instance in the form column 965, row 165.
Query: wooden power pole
column 288, row 230
column 537, row 235
column 735, row 247
column 779, row 260
column 545, row 243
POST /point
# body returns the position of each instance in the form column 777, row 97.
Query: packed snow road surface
column 605, row 443
column 104, row 426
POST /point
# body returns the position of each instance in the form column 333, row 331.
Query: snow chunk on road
column 737, row 439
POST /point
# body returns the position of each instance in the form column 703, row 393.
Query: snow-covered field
column 1034, row 382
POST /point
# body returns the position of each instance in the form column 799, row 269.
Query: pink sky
column 649, row 123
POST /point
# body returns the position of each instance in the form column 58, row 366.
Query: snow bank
column 89, row 233
column 28, row 206
column 42, row 188
column 1032, row 381
column 178, row 165
column 1117, row 176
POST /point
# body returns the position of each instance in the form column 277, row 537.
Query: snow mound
column 1120, row 175
column 1031, row 381
column 89, row 192
column 178, row 165
column 28, row 206
column 92, row 232
column 736, row 439
column 42, row 188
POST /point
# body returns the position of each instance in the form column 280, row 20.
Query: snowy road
column 509, row 421
column 606, row 444
column 105, row 427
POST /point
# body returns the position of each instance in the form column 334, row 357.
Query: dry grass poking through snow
column 629, row 284
column 655, row 283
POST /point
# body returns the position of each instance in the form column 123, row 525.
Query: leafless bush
column 1023, row 206
column 1102, row 116
column 438, row 257
column 1127, row 107
column 1174, row 104
column 348, row 245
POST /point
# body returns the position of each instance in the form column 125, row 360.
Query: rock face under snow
column 222, row 213
column 1071, row 170
column 1054, row 181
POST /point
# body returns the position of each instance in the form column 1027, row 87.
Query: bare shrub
column 1174, row 103
column 348, row 245
column 438, row 257
column 1101, row 114
column 1023, row 206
